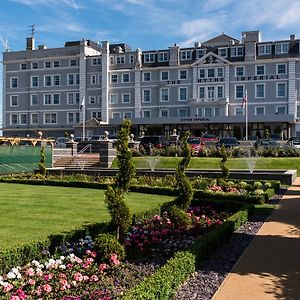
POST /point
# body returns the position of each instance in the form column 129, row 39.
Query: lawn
column 233, row 163
column 33, row 212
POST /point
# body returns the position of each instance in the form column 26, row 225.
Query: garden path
column 270, row 266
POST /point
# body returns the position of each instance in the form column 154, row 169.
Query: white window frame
column 285, row 89
column 51, row 114
column 144, row 73
column 96, row 114
column 256, row 68
column 51, row 99
column 110, row 96
column 93, row 99
column 258, row 107
column 96, row 61
column 34, row 64
column 31, row 118
column 149, row 58
column 131, row 59
column 236, row 68
column 47, row 65
column 11, row 82
column 111, row 78
column 281, row 47
column 116, row 115
column 143, row 95
column 68, row 118
column 71, row 63
column 186, row 93
column 240, row 109
column 123, row 78
column 48, row 76
column 11, row 118
column 53, row 80
column 181, row 110
column 161, row 94
column 163, row 56
column 11, row 100
column 200, row 53
column 31, row 101
column 22, row 65
column 165, row 111
column 218, row 69
column 148, row 111
column 68, row 79
column 186, row 55
column 204, row 92
column 256, row 90
column 199, row 111
column 280, row 106
column 217, row 91
column 277, row 69
column 127, row 94
column 125, row 113
column 161, row 74
column 235, row 91
column 222, row 49
column 31, row 81
column 206, row 109
column 179, row 74
column 120, row 59
column 235, row 51
column 265, row 49
column 56, row 64
column 93, row 79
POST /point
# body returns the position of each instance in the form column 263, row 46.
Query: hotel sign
column 257, row 77
column 194, row 119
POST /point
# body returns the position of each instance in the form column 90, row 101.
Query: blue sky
column 145, row 24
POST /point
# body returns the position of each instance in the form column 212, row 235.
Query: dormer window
column 200, row 53
column 265, row 49
column 237, row 51
column 163, row 56
column 120, row 59
column 223, row 52
column 149, row 57
column 186, row 55
column 281, row 48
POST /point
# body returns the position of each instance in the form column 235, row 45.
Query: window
column 147, row 96
column 92, row 99
column 164, row 75
column 281, row 69
column 96, row 61
column 164, row 113
column 182, row 112
column 71, row 79
column 13, row 119
column 116, row 115
column 34, row 99
column 281, row 89
column 260, row 90
column 114, row 78
column 208, row 112
column 111, row 60
column 14, row 100
column 210, row 73
column 73, row 62
column 217, row 111
column 47, row 64
column 239, row 91
column 34, row 81
column 34, row 65
column 23, row 119
column 73, row 98
column 125, row 77
column 163, row 56
column 220, row 91
column 220, row 72
column 126, row 98
column 51, row 99
column 77, row 78
column 211, row 92
column 23, row 66
column 70, row 118
column 260, row 70
column 56, row 98
column 200, row 53
column 280, row 110
column 199, row 112
column 56, row 80
column 47, row 80
column 56, row 64
column 14, row 82
column 99, row 98
column 259, row 110
column 120, row 59
column 281, row 48
column 164, row 95
column 146, row 76
column 127, row 115
column 201, row 73
column 186, row 55
column 147, row 113
column 50, row 118
column 34, row 118
column 265, row 49
column 223, row 52
column 183, row 74
column 131, row 59
column 149, row 57
column 239, row 71
column 237, row 51
column 201, row 92
column 183, row 94
column 96, row 114
column 113, row 99
column 239, row 111
column 93, row 79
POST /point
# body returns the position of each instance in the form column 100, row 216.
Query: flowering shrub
column 68, row 278
column 160, row 236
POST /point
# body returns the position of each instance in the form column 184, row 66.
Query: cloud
column 50, row 3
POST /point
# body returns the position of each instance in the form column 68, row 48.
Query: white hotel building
column 199, row 88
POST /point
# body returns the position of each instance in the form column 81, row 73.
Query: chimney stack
column 30, row 43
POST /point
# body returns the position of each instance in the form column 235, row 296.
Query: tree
column 42, row 163
column 224, row 169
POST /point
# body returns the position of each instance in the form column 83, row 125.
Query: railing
column 81, row 161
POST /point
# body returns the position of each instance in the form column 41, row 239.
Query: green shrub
column 224, row 169
column 258, row 192
column 185, row 190
column 257, row 185
column 42, row 163
column 267, row 185
column 105, row 245
column 178, row 216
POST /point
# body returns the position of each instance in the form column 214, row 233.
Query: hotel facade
column 200, row 88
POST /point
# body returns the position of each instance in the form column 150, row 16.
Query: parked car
column 155, row 141
column 266, row 143
column 207, row 137
column 275, row 137
column 251, row 138
column 196, row 144
column 61, row 142
column 95, row 138
column 228, row 142
column 293, row 144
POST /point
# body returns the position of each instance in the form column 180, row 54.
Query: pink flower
column 69, row 266
column 114, row 259
column 64, row 284
column 15, row 298
column 94, row 278
column 47, row 288
column 102, row 267
column 93, row 253
column 31, row 281
column 48, row 277
column 21, row 294
column 29, row 272
column 78, row 276
column 7, row 287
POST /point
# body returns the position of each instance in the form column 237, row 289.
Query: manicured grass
column 214, row 163
column 34, row 212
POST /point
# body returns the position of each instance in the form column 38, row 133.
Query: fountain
column 152, row 159
column 251, row 161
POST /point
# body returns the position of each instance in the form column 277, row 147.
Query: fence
column 16, row 159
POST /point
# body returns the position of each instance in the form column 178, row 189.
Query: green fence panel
column 16, row 159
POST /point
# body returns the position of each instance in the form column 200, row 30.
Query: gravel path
column 203, row 284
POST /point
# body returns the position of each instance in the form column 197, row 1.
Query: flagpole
column 246, row 111
column 82, row 106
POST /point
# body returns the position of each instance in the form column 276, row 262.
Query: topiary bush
column 178, row 216
column 42, row 163
column 224, row 169
column 105, row 245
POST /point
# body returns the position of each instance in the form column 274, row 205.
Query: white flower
column 11, row 275
column 62, row 258
column 63, row 267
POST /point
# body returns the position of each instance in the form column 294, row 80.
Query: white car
column 294, row 144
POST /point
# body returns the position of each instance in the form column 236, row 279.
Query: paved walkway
column 270, row 267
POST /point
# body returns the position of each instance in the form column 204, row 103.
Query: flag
column 82, row 103
column 245, row 99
